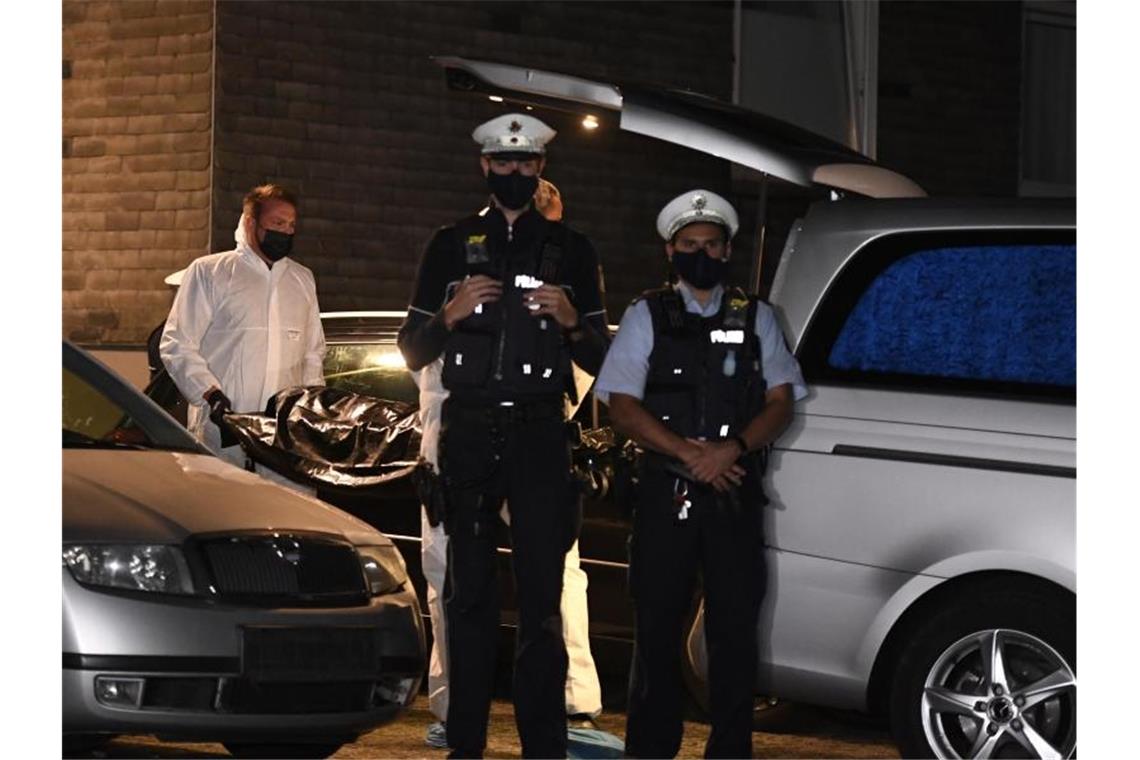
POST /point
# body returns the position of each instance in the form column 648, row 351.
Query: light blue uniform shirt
column 627, row 362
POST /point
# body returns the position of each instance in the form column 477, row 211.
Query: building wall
column 136, row 159
column 950, row 94
column 173, row 109
column 341, row 101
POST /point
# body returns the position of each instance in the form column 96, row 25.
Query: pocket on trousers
column 466, row 455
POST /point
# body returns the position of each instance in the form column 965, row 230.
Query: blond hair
column 252, row 202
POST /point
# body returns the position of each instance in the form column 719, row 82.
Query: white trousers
column 583, row 691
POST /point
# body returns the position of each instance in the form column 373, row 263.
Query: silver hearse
column 921, row 536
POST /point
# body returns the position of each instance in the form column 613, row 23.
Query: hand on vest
column 552, row 301
column 471, row 292
column 714, row 462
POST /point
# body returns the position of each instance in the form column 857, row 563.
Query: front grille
column 277, row 566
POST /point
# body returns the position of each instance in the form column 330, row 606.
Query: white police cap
column 696, row 206
column 513, row 133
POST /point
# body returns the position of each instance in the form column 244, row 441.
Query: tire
column 292, row 750
column 769, row 714
column 84, row 744
column 773, row 716
column 694, row 657
column 944, row 703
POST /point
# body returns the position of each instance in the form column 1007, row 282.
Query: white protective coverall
column 247, row 329
column 583, row 690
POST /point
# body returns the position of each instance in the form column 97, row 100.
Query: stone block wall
column 137, row 120
column 341, row 101
column 173, row 109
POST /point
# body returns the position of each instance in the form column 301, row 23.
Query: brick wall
column 949, row 94
column 136, row 168
column 341, row 102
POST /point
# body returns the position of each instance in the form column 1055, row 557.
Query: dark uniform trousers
column 724, row 542
column 520, row 453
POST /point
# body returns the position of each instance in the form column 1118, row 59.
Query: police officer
column 509, row 299
column 700, row 377
column 583, row 689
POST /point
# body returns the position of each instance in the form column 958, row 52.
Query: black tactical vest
column 705, row 377
column 501, row 349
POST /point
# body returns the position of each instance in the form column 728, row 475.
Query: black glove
column 219, row 405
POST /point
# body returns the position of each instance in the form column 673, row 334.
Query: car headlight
column 384, row 568
column 136, row 567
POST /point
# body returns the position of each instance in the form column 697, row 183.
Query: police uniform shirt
column 627, row 363
column 424, row 335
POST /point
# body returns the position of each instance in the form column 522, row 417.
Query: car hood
column 694, row 121
column 114, row 496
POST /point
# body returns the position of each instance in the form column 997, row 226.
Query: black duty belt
column 506, row 411
column 655, row 460
column 658, row 461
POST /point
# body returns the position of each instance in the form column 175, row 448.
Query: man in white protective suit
column 583, row 690
column 245, row 324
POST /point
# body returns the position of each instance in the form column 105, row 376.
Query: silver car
column 201, row 602
column 921, row 536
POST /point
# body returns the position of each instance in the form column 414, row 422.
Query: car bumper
column 195, row 677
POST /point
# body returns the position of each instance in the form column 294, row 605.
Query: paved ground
column 808, row 733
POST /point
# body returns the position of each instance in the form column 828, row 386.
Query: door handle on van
column 951, row 460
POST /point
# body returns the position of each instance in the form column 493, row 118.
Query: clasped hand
column 713, row 462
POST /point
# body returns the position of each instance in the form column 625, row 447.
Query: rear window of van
column 987, row 313
column 991, row 313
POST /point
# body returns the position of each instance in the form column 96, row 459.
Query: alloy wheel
column 1000, row 693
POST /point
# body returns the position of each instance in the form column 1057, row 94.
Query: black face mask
column 513, row 190
column 699, row 269
column 276, row 245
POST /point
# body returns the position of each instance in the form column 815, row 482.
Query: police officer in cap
column 509, row 299
column 700, row 377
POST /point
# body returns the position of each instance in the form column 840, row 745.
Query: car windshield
column 371, row 369
column 94, row 417
column 93, row 421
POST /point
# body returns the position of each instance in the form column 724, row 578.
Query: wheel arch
column 878, row 685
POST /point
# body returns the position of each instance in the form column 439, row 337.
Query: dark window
column 1049, row 99
column 980, row 315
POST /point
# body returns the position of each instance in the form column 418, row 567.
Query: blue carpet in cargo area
column 1001, row 313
